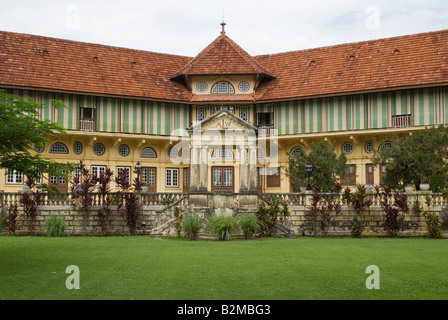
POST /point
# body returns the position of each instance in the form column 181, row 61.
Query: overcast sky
column 185, row 27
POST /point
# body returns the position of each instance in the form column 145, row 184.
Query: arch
column 222, row 154
column 58, row 147
column 296, row 150
column 148, row 152
column 222, row 87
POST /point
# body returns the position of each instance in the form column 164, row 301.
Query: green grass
column 268, row 269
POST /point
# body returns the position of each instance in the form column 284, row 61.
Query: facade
column 225, row 121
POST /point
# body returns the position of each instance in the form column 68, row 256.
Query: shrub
column 433, row 225
column 191, row 226
column 2, row 223
column 178, row 218
column 222, row 227
column 55, row 226
column 248, row 222
column 11, row 219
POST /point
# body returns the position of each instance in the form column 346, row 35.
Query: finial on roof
column 223, row 24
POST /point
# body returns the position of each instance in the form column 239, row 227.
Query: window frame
column 60, row 145
column 169, row 182
column 14, row 174
column 222, row 87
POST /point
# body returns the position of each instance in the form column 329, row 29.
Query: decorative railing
column 87, row 125
column 267, row 131
column 65, row 199
column 401, row 121
column 168, row 200
column 303, row 199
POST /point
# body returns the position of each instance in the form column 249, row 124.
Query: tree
column 328, row 168
column 20, row 131
column 419, row 158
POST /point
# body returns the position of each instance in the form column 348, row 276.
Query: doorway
column 222, row 179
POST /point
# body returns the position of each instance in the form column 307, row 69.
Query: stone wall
column 158, row 219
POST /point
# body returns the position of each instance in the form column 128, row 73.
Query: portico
column 223, row 155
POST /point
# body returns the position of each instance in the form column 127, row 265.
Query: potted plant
column 144, row 187
column 408, row 188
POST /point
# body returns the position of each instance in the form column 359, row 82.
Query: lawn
column 142, row 267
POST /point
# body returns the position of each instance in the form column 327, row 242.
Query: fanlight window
column 222, row 154
column 59, row 148
column 223, row 87
column 296, row 151
column 148, row 153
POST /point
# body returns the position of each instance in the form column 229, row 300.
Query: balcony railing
column 401, row 121
column 267, row 131
column 87, row 125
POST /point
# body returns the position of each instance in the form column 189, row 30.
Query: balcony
column 401, row 121
column 87, row 125
column 267, row 131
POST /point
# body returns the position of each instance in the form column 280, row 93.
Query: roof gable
column 223, row 57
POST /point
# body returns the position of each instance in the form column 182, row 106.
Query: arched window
column 295, row 151
column 222, row 154
column 58, row 148
column 148, row 153
column 223, row 87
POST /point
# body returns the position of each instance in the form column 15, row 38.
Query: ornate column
column 253, row 168
column 203, row 168
column 243, row 169
column 194, row 166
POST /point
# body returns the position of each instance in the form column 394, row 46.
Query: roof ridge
column 347, row 44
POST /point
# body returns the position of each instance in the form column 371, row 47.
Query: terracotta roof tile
column 55, row 64
column 223, row 57
column 399, row 62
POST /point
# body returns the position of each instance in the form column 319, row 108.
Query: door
column 149, row 176
column 59, row 183
column 222, row 178
column 369, row 174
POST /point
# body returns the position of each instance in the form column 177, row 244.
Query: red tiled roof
column 399, row 62
column 55, row 64
column 223, row 57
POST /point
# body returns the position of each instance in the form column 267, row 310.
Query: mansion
column 225, row 120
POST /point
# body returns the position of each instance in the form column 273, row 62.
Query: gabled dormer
column 223, row 71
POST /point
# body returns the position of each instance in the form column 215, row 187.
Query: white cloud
column 186, row 26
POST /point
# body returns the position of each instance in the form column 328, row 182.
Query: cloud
column 185, row 27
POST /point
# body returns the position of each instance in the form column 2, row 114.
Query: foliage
column 433, row 225
column 179, row 218
column 395, row 207
column 105, row 213
column 267, row 216
column 359, row 200
column 11, row 219
column 191, row 225
column 81, row 192
column 328, row 168
column 323, row 210
column 222, row 226
column 357, row 228
column 129, row 202
column 2, row 223
column 419, row 158
column 54, row 226
column 248, row 223
column 21, row 130
column 30, row 201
